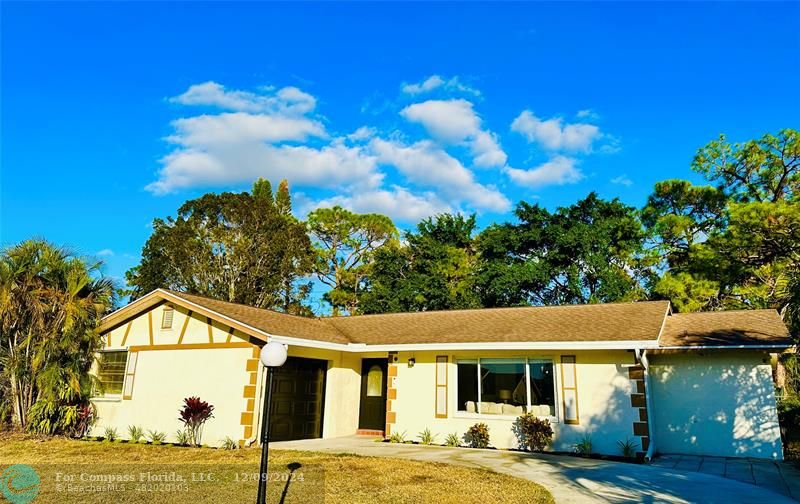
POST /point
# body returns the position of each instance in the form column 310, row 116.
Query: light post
column 273, row 355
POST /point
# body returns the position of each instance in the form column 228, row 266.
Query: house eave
column 463, row 346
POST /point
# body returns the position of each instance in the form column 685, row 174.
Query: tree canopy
column 345, row 243
column 737, row 244
column 589, row 252
column 51, row 302
column 433, row 270
column 240, row 247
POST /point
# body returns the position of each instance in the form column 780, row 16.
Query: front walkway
column 778, row 476
column 569, row 479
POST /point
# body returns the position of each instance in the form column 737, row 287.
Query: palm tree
column 51, row 302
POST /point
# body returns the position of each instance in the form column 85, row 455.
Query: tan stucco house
column 674, row 383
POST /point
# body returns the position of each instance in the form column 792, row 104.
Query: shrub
column 194, row 415
column 478, row 435
column 86, row 418
column 426, row 437
column 181, row 437
column 110, row 433
column 156, row 437
column 584, row 446
column 135, row 433
column 452, row 440
column 629, row 447
column 229, row 444
column 398, row 437
column 534, row 433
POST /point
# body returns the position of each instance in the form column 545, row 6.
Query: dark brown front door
column 373, row 394
column 297, row 398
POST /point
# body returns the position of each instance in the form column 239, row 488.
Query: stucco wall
column 719, row 403
column 603, row 400
column 164, row 377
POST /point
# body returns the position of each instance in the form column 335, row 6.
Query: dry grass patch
column 320, row 477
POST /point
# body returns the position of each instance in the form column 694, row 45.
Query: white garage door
column 715, row 403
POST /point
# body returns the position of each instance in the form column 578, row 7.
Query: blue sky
column 115, row 113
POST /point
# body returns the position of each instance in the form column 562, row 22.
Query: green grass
column 338, row 478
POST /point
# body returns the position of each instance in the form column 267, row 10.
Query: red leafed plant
column 194, row 414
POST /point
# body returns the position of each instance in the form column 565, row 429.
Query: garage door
column 715, row 403
column 297, row 400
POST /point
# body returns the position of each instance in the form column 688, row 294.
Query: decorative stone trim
column 248, row 417
column 391, row 393
column 641, row 428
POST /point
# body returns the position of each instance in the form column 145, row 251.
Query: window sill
column 479, row 416
column 109, row 398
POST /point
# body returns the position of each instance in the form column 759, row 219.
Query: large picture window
column 506, row 387
column 111, row 371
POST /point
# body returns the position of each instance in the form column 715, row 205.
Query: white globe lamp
column 273, row 354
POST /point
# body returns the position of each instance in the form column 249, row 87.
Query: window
column 375, row 381
column 111, row 371
column 166, row 319
column 506, row 387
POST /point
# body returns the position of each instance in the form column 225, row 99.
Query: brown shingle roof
column 614, row 322
column 574, row 323
column 725, row 328
column 269, row 321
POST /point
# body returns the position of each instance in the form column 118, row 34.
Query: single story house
column 697, row 383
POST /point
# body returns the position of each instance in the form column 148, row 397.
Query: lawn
column 91, row 471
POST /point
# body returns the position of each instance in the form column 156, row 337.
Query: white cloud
column 362, row 133
column 105, row 253
column 241, row 127
column 588, row 114
column 398, row 203
column 437, row 82
column 559, row 170
column 622, row 180
column 287, row 100
column 426, row 164
column 455, row 122
column 554, row 135
column 239, row 162
column 238, row 147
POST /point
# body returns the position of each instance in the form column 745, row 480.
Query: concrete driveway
column 569, row 479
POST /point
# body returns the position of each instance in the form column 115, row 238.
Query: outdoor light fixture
column 411, row 362
column 273, row 355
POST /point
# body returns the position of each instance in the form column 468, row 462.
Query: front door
column 373, row 394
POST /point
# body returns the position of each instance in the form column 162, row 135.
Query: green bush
column 629, row 447
column 426, row 437
column 398, row 437
column 534, row 433
column 110, row 433
column 452, row 440
column 135, row 433
column 478, row 435
column 584, row 446
column 156, row 437
column 229, row 444
column 181, row 437
column 789, row 413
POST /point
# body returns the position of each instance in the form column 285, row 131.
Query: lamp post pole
column 273, row 355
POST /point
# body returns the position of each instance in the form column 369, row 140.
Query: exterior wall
column 716, row 403
column 604, row 400
column 342, row 389
column 192, row 358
